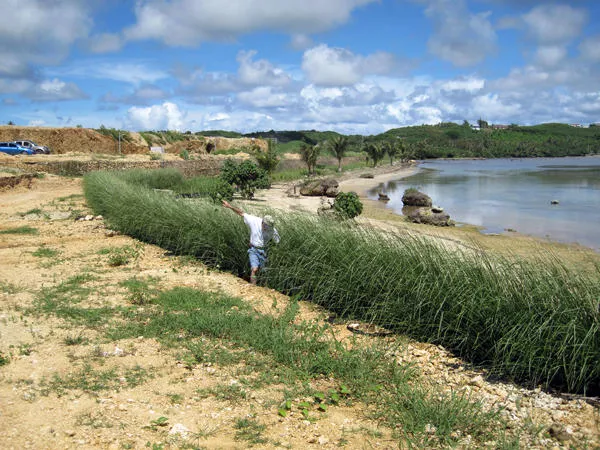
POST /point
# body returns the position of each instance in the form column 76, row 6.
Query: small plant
column 141, row 292
column 34, row 211
column 20, row 230
column 162, row 421
column 76, row 340
column 45, row 252
column 155, row 156
column 184, row 154
column 250, row 430
column 4, row 360
column 347, row 204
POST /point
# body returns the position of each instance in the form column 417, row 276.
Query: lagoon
column 513, row 194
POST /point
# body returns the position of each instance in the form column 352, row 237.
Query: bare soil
column 37, row 350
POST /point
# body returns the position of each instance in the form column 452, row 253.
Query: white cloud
column 550, row 55
column 157, row 117
column 131, row 72
column 259, row 73
column 105, row 43
column 40, row 31
column 55, row 90
column 301, row 42
column 459, row 36
column 555, row 24
column 264, row 97
column 590, row 49
column 492, row 106
column 189, row 22
column 328, row 66
column 468, row 84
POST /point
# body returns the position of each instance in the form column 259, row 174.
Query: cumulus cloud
column 143, row 95
column 264, row 97
column 590, row 49
column 39, row 31
column 460, row 37
column 189, row 22
column 261, row 72
column 328, row 66
column 55, row 90
column 555, row 24
column 105, row 43
column 550, row 55
column 301, row 42
column 167, row 116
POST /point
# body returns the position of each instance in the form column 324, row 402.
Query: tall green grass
column 533, row 321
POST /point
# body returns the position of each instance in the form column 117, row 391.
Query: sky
column 352, row 66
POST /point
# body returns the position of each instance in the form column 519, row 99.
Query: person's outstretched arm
column 238, row 211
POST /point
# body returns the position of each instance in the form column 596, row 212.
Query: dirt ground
column 40, row 347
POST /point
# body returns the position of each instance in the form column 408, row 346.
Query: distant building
column 499, row 127
column 576, row 125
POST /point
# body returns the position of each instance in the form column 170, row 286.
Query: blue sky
column 353, row 66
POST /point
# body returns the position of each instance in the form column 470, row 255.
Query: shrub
column 347, row 204
column 267, row 160
column 245, row 176
column 184, row 154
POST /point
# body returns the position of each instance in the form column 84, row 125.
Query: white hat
column 268, row 221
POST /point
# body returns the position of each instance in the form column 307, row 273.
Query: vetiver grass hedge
column 536, row 322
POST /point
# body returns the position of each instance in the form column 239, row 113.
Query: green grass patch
column 36, row 211
column 531, row 320
column 90, row 380
column 277, row 350
column 250, row 431
column 20, row 230
column 45, row 252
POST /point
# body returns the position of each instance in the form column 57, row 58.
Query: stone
column 412, row 197
column 428, row 217
column 437, row 209
column 323, row 187
column 179, row 429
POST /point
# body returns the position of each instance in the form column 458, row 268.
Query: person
column 262, row 232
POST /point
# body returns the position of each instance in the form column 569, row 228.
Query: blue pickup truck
column 13, row 149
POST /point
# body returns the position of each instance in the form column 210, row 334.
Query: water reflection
column 513, row 194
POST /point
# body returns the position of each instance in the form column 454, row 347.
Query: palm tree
column 309, row 154
column 376, row 152
column 338, row 146
column 392, row 149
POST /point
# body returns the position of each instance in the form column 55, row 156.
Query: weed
column 9, row 288
column 90, row 380
column 175, row 399
column 141, row 292
column 34, row 211
column 93, row 420
column 45, row 252
column 162, row 421
column 120, row 256
column 250, row 430
column 76, row 340
column 20, row 230
column 4, row 359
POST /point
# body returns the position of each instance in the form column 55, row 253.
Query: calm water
column 501, row 194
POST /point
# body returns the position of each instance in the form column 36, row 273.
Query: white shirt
column 258, row 237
